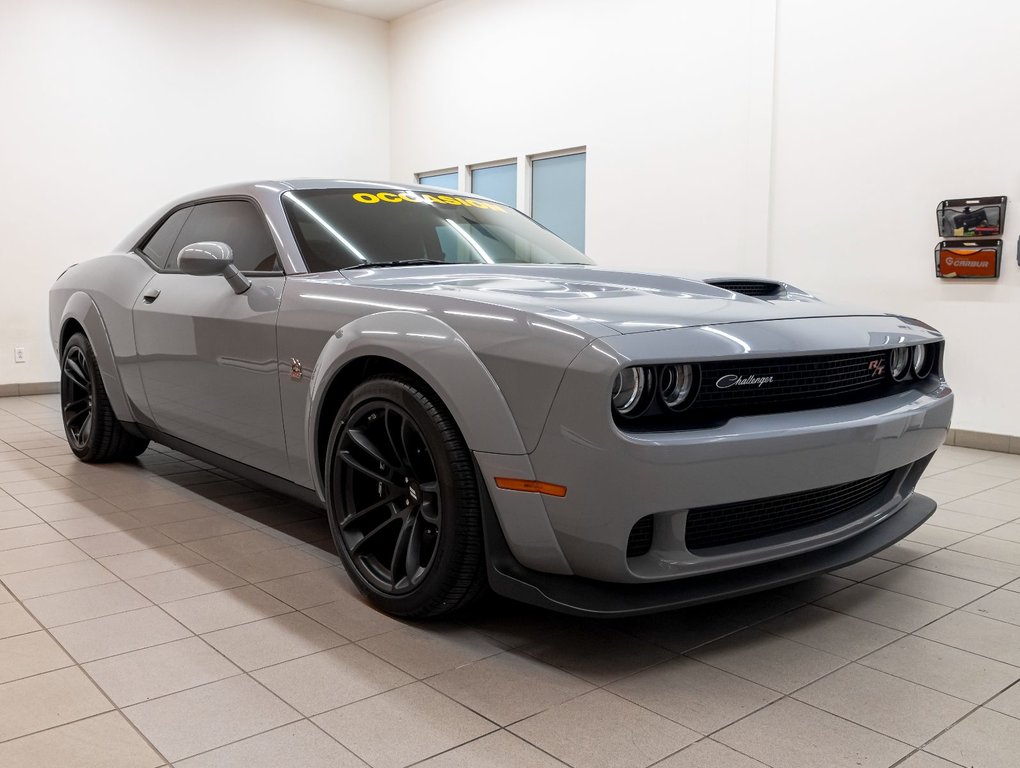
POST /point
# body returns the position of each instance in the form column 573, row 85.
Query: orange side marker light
column 531, row 486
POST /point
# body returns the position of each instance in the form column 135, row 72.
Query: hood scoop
column 759, row 289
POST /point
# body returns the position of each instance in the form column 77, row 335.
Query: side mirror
column 212, row 258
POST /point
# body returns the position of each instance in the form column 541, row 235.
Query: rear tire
column 403, row 501
column 93, row 431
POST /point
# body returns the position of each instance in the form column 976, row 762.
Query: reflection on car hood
column 626, row 302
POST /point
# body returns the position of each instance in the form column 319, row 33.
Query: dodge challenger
column 476, row 405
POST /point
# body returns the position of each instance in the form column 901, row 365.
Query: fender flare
column 81, row 308
column 434, row 352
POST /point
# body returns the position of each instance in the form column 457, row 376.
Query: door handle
column 150, row 295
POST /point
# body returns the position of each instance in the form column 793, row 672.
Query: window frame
column 144, row 239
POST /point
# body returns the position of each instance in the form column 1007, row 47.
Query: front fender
column 82, row 309
column 439, row 356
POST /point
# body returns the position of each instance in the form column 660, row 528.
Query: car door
column 207, row 355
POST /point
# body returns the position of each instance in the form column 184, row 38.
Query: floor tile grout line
column 920, row 751
column 929, row 570
column 300, row 719
column 78, row 665
column 720, row 743
column 54, row 565
column 968, row 554
column 70, row 662
column 674, row 656
column 504, row 729
column 910, row 634
column 119, row 580
column 913, row 633
column 959, row 720
column 311, row 718
column 991, row 587
column 944, row 645
column 790, row 695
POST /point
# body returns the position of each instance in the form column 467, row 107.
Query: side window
column 157, row 247
column 237, row 223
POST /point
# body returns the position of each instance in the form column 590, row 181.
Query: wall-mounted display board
column 968, row 258
column 974, row 217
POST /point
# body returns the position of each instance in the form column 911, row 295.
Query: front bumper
column 616, row 478
column 586, row 597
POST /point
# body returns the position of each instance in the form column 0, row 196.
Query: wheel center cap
column 412, row 491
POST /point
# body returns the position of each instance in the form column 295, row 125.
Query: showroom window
column 498, row 182
column 239, row 224
column 551, row 187
column 557, row 195
column 446, row 179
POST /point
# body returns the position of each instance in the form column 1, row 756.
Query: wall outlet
column 19, row 354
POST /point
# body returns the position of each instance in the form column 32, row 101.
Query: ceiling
column 387, row 10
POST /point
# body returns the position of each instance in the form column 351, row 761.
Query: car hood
column 625, row 302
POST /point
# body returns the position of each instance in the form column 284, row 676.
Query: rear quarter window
column 157, row 248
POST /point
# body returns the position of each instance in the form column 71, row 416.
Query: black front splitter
column 586, row 597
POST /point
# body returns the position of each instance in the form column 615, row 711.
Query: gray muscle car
column 477, row 405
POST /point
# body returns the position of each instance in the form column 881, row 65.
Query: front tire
column 403, row 500
column 93, row 431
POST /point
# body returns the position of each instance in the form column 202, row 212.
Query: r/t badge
column 296, row 371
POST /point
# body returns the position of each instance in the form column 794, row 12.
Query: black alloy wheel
column 391, row 497
column 93, row 431
column 403, row 500
column 77, row 390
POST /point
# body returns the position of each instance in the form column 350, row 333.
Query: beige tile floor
column 167, row 613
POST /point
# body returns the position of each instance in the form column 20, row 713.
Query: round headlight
column 924, row 360
column 629, row 389
column 675, row 384
column 899, row 361
column 919, row 355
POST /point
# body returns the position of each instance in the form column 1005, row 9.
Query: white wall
column 882, row 110
column 112, row 108
column 671, row 99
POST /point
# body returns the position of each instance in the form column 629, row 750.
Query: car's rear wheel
column 93, row 431
column 403, row 500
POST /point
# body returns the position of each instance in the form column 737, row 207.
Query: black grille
column 733, row 523
column 640, row 540
column 757, row 288
column 793, row 380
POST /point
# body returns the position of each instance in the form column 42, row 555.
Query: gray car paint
column 209, row 365
column 524, row 357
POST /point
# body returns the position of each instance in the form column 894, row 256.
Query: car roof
column 284, row 185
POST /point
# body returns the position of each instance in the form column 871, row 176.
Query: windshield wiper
column 397, row 263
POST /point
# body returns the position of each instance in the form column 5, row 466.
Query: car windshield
column 345, row 228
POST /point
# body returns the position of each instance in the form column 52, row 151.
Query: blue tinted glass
column 498, row 182
column 445, row 180
column 557, row 196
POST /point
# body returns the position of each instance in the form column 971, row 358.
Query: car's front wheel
column 93, row 431
column 403, row 500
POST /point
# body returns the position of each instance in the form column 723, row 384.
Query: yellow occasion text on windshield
column 370, row 198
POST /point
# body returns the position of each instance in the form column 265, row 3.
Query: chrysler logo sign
column 725, row 382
